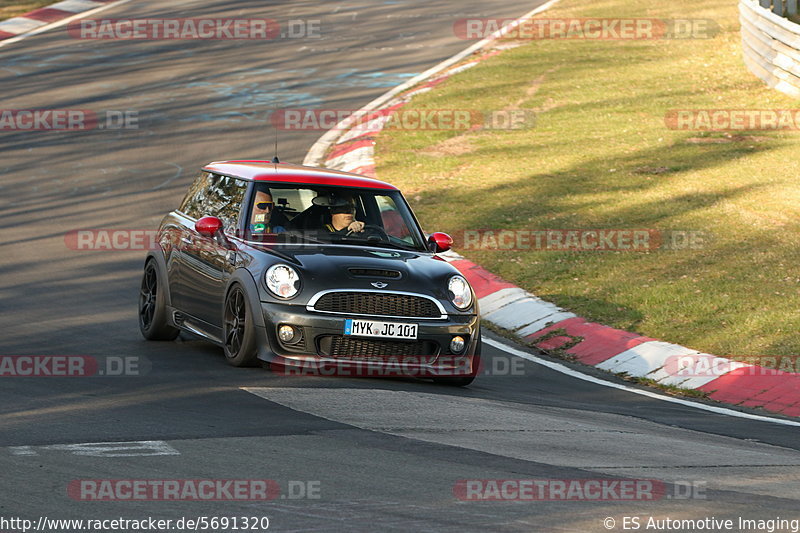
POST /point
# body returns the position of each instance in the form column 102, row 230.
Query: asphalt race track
column 347, row 454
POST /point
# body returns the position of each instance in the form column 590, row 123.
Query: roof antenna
column 275, row 159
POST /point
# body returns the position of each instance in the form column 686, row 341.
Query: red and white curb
column 52, row 16
column 548, row 327
column 350, row 147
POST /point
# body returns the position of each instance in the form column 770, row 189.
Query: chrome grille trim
column 316, row 297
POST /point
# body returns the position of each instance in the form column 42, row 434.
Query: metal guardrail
column 784, row 8
column 771, row 45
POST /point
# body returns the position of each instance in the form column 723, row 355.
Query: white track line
column 591, row 379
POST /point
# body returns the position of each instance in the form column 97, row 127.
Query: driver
column 263, row 206
column 343, row 220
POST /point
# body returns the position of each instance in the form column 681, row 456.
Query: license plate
column 386, row 330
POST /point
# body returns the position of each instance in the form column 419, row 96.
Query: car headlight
column 460, row 292
column 283, row 281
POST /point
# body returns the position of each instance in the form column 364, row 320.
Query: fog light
column 457, row 344
column 286, row 333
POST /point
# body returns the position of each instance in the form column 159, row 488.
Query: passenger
column 263, row 207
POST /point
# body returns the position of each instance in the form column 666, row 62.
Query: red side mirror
column 440, row 242
column 208, row 226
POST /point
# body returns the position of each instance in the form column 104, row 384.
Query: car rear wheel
column 238, row 330
column 153, row 307
column 469, row 378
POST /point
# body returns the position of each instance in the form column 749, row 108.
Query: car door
column 207, row 262
column 181, row 235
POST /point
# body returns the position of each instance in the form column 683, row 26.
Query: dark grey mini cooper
column 315, row 271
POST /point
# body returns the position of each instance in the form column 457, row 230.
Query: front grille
column 376, row 303
column 349, row 347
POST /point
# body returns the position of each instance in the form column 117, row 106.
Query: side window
column 224, row 201
column 392, row 219
column 193, row 203
column 287, row 203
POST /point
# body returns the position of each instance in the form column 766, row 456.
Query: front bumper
column 326, row 350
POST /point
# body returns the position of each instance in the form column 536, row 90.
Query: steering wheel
column 371, row 230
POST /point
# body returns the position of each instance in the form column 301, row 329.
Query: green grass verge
column 600, row 156
column 10, row 9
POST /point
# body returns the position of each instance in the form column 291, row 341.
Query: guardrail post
column 791, row 7
column 777, row 8
column 765, row 3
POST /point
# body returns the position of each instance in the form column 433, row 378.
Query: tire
column 468, row 379
column 153, row 307
column 238, row 330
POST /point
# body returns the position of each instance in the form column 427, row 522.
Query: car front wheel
column 238, row 330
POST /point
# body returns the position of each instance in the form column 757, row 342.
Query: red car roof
column 289, row 173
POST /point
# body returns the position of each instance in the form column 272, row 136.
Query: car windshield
column 335, row 215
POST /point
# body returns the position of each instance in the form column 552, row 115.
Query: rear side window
column 223, row 199
column 218, row 196
column 193, row 203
